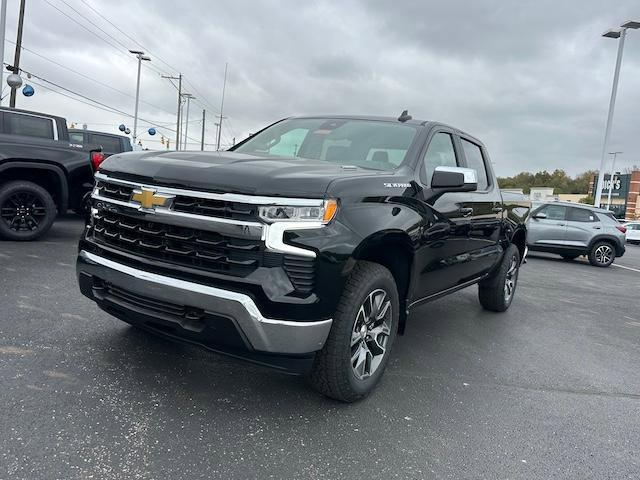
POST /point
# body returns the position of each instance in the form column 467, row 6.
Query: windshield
column 364, row 143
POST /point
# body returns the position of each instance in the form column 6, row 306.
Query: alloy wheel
column 23, row 211
column 371, row 331
column 511, row 279
column 604, row 254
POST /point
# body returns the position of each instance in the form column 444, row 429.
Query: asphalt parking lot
column 550, row 389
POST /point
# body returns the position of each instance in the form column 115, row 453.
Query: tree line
column 558, row 180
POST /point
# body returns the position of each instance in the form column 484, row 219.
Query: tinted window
column 554, row 212
column 28, row 125
column 439, row 154
column 475, row 160
column 76, row 137
column 109, row 143
column 364, row 143
column 581, row 215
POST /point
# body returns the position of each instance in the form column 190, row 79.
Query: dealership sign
column 619, row 185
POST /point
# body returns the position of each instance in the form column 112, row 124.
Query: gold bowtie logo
column 149, row 199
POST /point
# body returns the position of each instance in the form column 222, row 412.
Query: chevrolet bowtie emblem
column 149, row 199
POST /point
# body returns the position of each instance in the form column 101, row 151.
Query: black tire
column 602, row 254
column 84, row 208
column 27, row 211
column 569, row 258
column 496, row 292
column 333, row 373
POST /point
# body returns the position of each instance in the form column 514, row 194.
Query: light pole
column 140, row 56
column 621, row 34
column 179, row 78
column 613, row 171
column 188, row 96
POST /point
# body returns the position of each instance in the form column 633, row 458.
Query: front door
column 548, row 231
column 442, row 257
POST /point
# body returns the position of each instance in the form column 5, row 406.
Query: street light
column 620, row 34
column 140, row 56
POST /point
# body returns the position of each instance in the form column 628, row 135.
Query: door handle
column 562, row 224
column 597, row 228
column 466, row 211
column 496, row 209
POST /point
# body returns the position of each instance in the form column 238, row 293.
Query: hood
column 230, row 172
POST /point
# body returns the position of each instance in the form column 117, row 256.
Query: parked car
column 571, row 230
column 41, row 172
column 110, row 143
column 306, row 247
column 633, row 232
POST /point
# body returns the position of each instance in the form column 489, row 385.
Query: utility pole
column 204, row 113
column 140, row 56
column 224, row 86
column 613, row 171
column 188, row 96
column 16, row 58
column 179, row 78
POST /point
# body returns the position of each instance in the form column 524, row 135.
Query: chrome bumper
column 260, row 333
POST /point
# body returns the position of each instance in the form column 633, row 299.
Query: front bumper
column 190, row 311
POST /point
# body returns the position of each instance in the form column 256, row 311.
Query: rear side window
column 554, row 212
column 475, row 160
column 109, row 144
column 581, row 215
column 75, row 137
column 439, row 154
column 28, row 125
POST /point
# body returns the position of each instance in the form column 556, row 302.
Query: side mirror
column 454, row 179
column 540, row 215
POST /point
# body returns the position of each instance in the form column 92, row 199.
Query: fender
column 63, row 189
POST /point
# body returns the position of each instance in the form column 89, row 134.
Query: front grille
column 183, row 246
column 116, row 192
column 215, row 208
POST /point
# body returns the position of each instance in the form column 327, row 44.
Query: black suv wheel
column 602, row 254
column 27, row 211
column 364, row 328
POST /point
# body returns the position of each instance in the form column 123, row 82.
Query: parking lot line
column 626, row 268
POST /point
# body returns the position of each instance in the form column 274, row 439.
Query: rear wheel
column 27, row 211
column 364, row 327
column 496, row 292
column 602, row 254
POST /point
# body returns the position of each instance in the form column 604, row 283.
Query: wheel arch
column 49, row 177
column 519, row 239
column 615, row 243
column 392, row 249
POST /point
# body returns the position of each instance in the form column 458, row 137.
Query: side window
column 109, row 144
column 581, row 215
column 475, row 160
column 28, row 125
column 440, row 153
column 554, row 212
column 76, row 137
column 289, row 143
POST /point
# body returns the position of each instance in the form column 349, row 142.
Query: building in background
column 624, row 193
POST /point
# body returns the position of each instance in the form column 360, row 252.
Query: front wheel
column 364, row 327
column 496, row 292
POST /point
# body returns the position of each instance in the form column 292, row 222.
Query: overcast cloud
column 531, row 79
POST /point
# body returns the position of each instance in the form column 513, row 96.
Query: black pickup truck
column 41, row 172
column 307, row 246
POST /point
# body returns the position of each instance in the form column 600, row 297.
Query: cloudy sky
column 530, row 78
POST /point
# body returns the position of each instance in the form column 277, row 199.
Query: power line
column 87, row 76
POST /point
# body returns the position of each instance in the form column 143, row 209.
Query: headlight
column 281, row 213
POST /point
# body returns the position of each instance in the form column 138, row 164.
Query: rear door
column 486, row 210
column 582, row 225
column 548, row 231
column 110, row 144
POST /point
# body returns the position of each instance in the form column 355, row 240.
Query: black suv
column 307, row 246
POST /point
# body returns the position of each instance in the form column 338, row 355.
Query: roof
column 74, row 130
column 574, row 204
column 19, row 110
